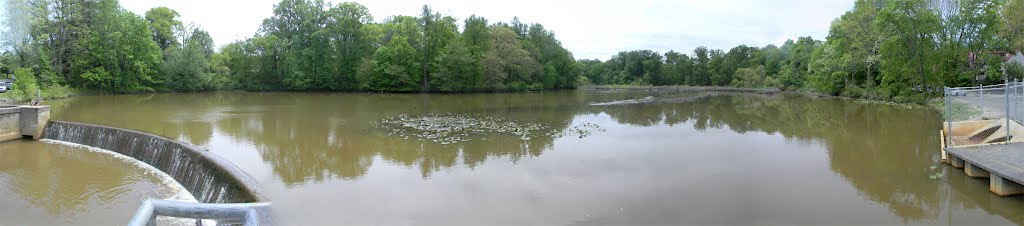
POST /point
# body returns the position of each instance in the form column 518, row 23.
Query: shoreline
column 930, row 104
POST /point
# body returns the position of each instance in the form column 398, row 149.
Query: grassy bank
column 959, row 111
column 26, row 95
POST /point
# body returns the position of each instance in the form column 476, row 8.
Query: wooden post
column 942, row 146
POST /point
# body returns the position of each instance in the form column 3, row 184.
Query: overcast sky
column 590, row 29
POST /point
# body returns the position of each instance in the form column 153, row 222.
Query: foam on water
column 179, row 193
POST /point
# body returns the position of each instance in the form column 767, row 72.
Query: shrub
column 25, row 87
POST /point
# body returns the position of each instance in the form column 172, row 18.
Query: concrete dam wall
column 208, row 177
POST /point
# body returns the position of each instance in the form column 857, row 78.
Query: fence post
column 1006, row 93
column 949, row 114
column 981, row 99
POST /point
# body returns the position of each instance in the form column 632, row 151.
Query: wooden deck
column 1002, row 163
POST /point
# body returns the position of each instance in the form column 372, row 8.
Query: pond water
column 570, row 158
column 54, row 183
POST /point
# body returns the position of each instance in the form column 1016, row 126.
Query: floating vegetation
column 580, row 130
column 449, row 128
column 455, row 128
column 935, row 175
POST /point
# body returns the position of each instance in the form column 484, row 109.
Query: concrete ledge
column 33, row 120
column 208, row 177
column 17, row 122
column 1004, row 187
column 974, row 171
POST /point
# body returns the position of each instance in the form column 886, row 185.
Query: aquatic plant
column 449, row 128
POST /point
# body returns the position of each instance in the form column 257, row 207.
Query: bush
column 25, row 87
column 517, row 87
column 583, row 81
column 854, row 91
column 56, row 91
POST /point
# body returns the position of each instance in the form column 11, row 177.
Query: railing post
column 1006, row 93
column 144, row 216
column 949, row 115
column 981, row 99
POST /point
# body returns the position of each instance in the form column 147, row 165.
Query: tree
column 188, row 68
column 1014, row 23
column 507, row 65
column 164, row 23
column 395, row 67
column 677, row 68
column 455, row 69
column 967, row 26
column 351, row 42
column 912, row 27
column 477, row 35
column 859, row 29
column 16, row 31
column 438, row 31
column 701, row 71
column 123, row 57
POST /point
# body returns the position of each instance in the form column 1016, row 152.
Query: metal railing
column 973, row 103
column 247, row 214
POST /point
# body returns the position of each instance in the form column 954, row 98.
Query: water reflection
column 884, row 153
column 317, row 137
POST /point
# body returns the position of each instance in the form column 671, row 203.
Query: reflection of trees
column 316, row 136
column 305, row 138
column 881, row 150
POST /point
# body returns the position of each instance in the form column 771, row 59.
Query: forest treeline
column 305, row 45
column 892, row 50
column 882, row 49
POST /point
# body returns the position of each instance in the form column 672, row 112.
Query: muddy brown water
column 324, row 159
column 45, row 183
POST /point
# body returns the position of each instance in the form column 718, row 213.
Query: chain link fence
column 984, row 114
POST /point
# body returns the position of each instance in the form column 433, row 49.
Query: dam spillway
column 208, row 177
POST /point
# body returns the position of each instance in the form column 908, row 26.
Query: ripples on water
column 695, row 160
column 57, row 183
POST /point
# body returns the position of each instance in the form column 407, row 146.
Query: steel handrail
column 245, row 213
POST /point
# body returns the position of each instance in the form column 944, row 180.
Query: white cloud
column 590, row 29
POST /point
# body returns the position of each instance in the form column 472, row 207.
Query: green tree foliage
column 677, row 69
column 395, row 67
column 456, row 69
column 879, row 49
column 188, row 68
column 314, row 45
column 163, row 22
column 507, row 66
column 1014, row 23
column 787, row 67
column 122, row 57
column 906, row 56
column 753, row 78
column 899, row 50
column 25, row 86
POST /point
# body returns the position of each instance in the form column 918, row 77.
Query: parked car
column 7, row 84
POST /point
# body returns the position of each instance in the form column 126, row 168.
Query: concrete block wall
column 18, row 122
